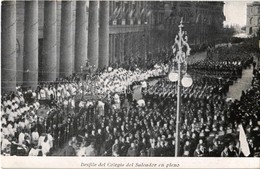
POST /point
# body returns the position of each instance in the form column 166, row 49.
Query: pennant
column 243, row 141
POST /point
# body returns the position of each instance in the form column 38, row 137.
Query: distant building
column 203, row 20
column 253, row 18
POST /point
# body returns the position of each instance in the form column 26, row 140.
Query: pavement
column 240, row 85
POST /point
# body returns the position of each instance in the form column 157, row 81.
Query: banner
column 243, row 142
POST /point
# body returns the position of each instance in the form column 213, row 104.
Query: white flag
column 243, row 142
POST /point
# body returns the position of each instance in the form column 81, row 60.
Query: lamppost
column 185, row 80
column 145, row 39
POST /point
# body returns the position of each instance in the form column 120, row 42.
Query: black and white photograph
column 164, row 79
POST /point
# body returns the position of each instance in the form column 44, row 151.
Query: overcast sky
column 235, row 12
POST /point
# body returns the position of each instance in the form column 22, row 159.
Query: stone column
column 49, row 41
column 66, row 39
column 93, row 41
column 118, row 48
column 114, row 49
column 123, row 48
column 103, row 59
column 81, row 35
column 131, row 45
column 31, row 44
column 110, row 48
column 134, row 42
column 8, row 46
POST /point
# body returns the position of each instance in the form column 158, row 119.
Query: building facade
column 253, row 18
column 203, row 21
column 43, row 40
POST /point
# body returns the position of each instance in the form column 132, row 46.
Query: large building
column 253, row 18
column 43, row 40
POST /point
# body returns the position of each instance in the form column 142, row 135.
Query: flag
column 243, row 142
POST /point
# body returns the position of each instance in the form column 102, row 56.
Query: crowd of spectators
column 159, row 56
column 41, row 120
column 99, row 117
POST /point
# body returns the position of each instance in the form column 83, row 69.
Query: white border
column 129, row 162
column 15, row 162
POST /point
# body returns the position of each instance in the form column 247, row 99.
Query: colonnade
column 91, row 40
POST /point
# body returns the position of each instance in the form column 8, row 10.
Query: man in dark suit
column 99, row 141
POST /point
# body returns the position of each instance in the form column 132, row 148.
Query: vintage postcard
column 130, row 84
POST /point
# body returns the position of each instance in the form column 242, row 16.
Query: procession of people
column 99, row 116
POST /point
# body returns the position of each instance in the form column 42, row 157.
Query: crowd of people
column 158, row 56
column 100, row 117
column 206, row 124
column 53, row 108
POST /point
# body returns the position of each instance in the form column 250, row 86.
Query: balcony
column 115, row 29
